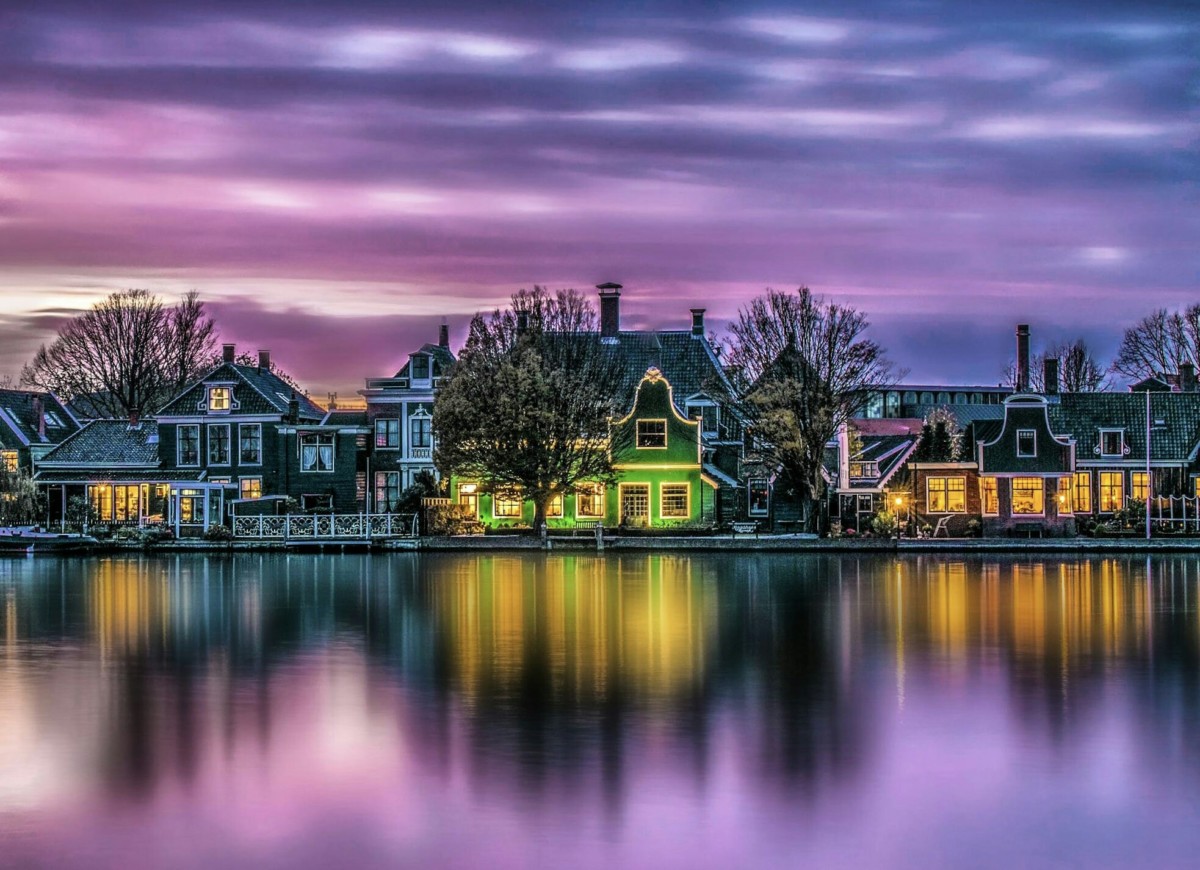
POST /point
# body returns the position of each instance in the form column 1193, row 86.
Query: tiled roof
column 443, row 358
column 1083, row 415
column 108, row 442
column 357, row 417
column 19, row 424
column 267, row 394
column 964, row 414
column 132, row 475
column 688, row 363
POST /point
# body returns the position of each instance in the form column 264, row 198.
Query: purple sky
column 336, row 177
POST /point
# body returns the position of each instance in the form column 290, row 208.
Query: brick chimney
column 1050, row 376
column 293, row 411
column 228, row 352
column 610, row 309
column 1187, row 377
column 264, row 360
column 135, row 417
column 1023, row 358
column 39, row 414
column 444, row 336
column 698, row 323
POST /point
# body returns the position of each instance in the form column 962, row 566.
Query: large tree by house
column 1079, row 370
column 804, row 364
column 1158, row 343
column 526, row 408
column 129, row 352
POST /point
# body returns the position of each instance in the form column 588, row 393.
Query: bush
column 218, row 532
column 974, row 528
column 885, row 524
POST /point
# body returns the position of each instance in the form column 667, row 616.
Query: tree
column 802, row 365
column 128, row 352
column 941, row 437
column 1158, row 343
column 21, row 501
column 1079, row 371
column 526, row 408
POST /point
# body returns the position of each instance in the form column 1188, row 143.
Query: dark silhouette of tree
column 802, row 365
column 526, row 408
column 128, row 352
column 1158, row 343
column 1079, row 371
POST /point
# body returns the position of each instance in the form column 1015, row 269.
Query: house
column 31, row 425
column 869, row 453
column 659, row 457
column 400, row 419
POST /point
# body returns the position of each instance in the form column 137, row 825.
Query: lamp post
column 900, row 504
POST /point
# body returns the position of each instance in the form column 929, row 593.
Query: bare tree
column 1158, row 343
column 1078, row 369
column 128, row 352
column 803, row 365
column 526, row 408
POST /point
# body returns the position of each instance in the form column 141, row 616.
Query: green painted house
column 661, row 480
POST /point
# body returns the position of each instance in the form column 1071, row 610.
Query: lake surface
column 639, row 710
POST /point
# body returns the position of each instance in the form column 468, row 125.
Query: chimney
column 264, row 360
column 1050, row 376
column 698, row 323
column 227, row 352
column 39, row 414
column 1023, row 358
column 293, row 411
column 1187, row 377
column 610, row 309
column 135, row 417
column 444, row 336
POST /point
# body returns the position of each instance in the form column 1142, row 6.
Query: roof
column 19, row 423
column 889, row 451
column 686, row 361
column 866, row 426
column 268, row 394
column 122, row 475
column 354, row 417
column 963, row 414
column 1083, row 415
column 443, row 358
column 108, row 443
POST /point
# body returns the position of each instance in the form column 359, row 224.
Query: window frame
column 1120, row 436
column 242, row 481
column 1105, row 486
column 208, row 437
column 211, row 394
column 426, row 422
column 662, row 500
column 391, row 427
column 179, row 442
column 469, row 497
column 382, row 490
column 247, row 427
column 427, row 361
column 655, row 420
column 551, row 512
column 507, row 497
column 589, row 491
column 1032, row 435
column 1076, row 478
column 10, row 461
column 318, row 441
column 945, row 491
column 989, row 493
column 763, row 485
column 1040, row 490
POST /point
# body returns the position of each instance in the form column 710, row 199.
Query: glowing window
column 250, row 487
column 1139, row 485
column 989, row 495
column 675, row 500
column 554, row 508
column 1112, row 491
column 507, row 505
column 589, row 501
column 946, row 495
column 219, row 398
column 1028, row 495
column 1081, row 497
column 8, row 460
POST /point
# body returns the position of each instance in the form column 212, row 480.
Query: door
column 635, row 504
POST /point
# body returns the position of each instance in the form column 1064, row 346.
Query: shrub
column 217, row 532
column 885, row 524
column 974, row 528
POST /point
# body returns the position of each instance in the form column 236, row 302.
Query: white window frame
column 245, row 427
column 597, row 489
column 983, row 500
column 394, row 425
column 318, row 443
column 1120, row 433
column 228, row 398
column 638, row 433
column 209, row 444
column 194, row 427
column 946, row 492
column 1031, row 433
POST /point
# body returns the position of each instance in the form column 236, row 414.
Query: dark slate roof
column 1083, row 415
column 964, row 414
column 19, row 425
column 121, row 475
column 443, row 358
column 353, row 417
column 688, row 363
column 890, row 451
column 267, row 394
column 108, row 442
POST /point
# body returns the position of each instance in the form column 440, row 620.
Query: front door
column 635, row 504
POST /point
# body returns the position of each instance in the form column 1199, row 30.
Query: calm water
column 643, row 711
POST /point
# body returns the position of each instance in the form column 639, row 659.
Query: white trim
column 179, row 463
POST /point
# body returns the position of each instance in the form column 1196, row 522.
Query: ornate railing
column 334, row 527
column 1176, row 513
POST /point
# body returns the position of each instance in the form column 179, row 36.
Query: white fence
column 319, row 527
column 1178, row 513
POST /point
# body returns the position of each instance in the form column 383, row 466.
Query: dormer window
column 651, row 434
column 419, row 368
column 1112, row 442
column 1026, row 443
column 220, row 399
column 706, row 413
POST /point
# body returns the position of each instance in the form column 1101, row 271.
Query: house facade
column 31, row 425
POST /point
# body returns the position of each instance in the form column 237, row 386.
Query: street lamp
column 900, row 504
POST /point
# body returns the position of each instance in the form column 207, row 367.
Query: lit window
column 554, row 509
column 507, row 505
column 250, row 443
column 946, row 495
column 101, row 499
column 1081, row 498
column 250, row 487
column 219, row 398
column 1112, row 491
column 1026, row 443
column 387, row 433
column 1112, row 442
column 8, row 460
column 760, row 497
column 316, row 452
column 989, row 495
column 468, row 498
column 1139, row 485
column 651, row 433
column 589, row 501
column 1196, row 487
column 1028, row 495
column 675, row 499
column 218, row 444
column 189, row 444
column 864, row 470
column 387, row 491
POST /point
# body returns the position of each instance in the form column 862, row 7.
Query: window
column 191, row 506
column 468, row 497
column 421, row 433
column 589, row 501
column 946, row 495
column 189, row 444
column 554, row 509
column 219, row 399
column 316, row 502
column 8, row 460
column 864, row 470
column 316, row 452
column 250, row 487
column 250, row 443
column 1081, row 497
column 419, row 370
column 507, row 505
column 1028, row 495
column 989, row 496
column 675, row 500
column 387, row 491
column 1112, row 491
column 707, row 415
column 1139, row 485
column 651, row 433
column 635, row 503
column 760, row 497
column 1196, row 487
column 387, row 433
column 1026, row 443
column 218, row 444
column 1112, row 442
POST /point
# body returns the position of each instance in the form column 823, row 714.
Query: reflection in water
column 648, row 709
